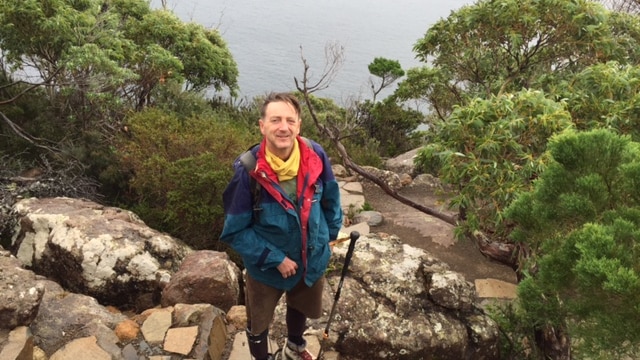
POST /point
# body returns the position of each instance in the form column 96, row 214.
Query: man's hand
column 287, row 267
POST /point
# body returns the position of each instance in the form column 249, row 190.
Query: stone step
column 493, row 288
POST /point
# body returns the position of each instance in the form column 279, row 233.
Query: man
column 284, row 237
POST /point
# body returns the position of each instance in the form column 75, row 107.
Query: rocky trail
column 431, row 234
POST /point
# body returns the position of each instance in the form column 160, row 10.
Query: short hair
column 284, row 97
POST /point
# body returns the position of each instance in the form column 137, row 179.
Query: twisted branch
column 332, row 132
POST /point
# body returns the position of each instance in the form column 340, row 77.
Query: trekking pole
column 347, row 259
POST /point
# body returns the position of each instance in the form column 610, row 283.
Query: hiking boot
column 294, row 352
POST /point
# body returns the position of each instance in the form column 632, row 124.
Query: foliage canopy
column 582, row 218
column 504, row 77
column 495, row 47
column 179, row 168
column 96, row 61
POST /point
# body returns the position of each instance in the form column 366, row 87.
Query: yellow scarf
column 286, row 170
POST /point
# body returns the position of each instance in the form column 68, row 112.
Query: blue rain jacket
column 278, row 227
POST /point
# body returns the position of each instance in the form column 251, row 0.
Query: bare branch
column 38, row 142
column 387, row 80
column 334, row 55
column 20, row 94
column 26, row 136
column 32, row 86
column 332, row 132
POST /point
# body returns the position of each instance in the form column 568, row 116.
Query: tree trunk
column 554, row 343
column 504, row 253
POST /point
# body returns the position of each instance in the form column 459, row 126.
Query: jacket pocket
column 318, row 259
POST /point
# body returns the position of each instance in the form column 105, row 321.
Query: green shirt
column 290, row 187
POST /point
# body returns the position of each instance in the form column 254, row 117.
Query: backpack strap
column 248, row 160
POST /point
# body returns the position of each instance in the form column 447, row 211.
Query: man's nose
column 283, row 125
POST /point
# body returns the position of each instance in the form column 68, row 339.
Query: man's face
column 280, row 126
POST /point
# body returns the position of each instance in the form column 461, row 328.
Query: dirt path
column 433, row 235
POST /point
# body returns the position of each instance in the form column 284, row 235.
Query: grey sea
column 268, row 38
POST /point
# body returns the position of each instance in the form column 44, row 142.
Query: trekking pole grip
column 347, row 259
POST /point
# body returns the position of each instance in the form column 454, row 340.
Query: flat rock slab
column 427, row 226
column 493, row 288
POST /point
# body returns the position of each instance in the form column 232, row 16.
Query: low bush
column 178, row 169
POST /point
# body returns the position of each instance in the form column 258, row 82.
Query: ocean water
column 268, row 38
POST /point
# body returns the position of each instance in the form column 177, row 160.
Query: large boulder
column 61, row 325
column 403, row 163
column 20, row 293
column 104, row 252
column 39, row 183
column 205, row 276
column 65, row 316
column 388, row 177
column 399, row 302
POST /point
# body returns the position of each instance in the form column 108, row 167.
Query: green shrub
column 580, row 226
column 366, row 154
column 491, row 150
column 179, row 169
column 428, row 160
column 392, row 125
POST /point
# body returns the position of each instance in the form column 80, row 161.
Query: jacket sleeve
column 238, row 229
column 330, row 202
